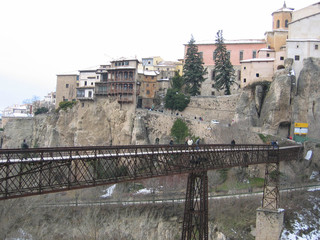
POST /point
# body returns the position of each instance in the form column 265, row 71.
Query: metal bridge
column 46, row 170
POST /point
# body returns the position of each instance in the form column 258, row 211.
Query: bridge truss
column 46, row 170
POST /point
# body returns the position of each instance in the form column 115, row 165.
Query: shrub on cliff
column 65, row 105
column 179, row 130
column 41, row 110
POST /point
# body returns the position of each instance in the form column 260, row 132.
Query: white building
column 87, row 80
column 304, row 35
column 18, row 111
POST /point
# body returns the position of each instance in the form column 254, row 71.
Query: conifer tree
column 193, row 70
column 224, row 72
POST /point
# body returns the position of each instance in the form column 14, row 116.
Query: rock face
column 306, row 104
column 101, row 122
column 276, row 106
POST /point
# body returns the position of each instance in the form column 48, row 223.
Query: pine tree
column 193, row 70
column 224, row 72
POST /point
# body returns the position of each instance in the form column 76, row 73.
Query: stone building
column 66, row 89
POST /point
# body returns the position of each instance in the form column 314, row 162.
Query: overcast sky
column 40, row 39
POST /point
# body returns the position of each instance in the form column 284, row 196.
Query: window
column 85, row 83
column 241, row 55
column 67, row 85
column 244, row 68
column 297, row 46
column 278, row 23
column 147, row 69
column 244, row 80
column 152, row 77
column 213, row 76
column 257, row 74
column 212, row 93
column 229, row 54
column 268, row 54
column 149, row 62
column 239, row 75
column 212, row 85
column 297, row 57
column 148, row 91
column 316, row 47
column 97, row 77
column 201, row 55
column 281, row 58
column 286, row 23
column 254, row 54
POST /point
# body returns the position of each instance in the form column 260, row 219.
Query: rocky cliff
column 102, row 122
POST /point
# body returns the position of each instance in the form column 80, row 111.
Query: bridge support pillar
column 269, row 221
column 269, row 224
column 195, row 222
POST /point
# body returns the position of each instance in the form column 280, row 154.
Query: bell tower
column 282, row 17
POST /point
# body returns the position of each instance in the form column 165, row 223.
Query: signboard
column 301, row 125
column 301, row 128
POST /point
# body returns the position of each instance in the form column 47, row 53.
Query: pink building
column 238, row 49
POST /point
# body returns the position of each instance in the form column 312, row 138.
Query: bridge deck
column 46, row 170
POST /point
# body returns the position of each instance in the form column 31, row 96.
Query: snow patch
column 109, row 191
column 313, row 189
column 309, row 155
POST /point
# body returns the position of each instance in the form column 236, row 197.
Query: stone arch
column 284, row 129
column 280, row 67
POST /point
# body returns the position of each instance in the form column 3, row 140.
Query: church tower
column 276, row 39
column 282, row 17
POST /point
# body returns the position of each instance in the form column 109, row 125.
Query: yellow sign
column 301, row 125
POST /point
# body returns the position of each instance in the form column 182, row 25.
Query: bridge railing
column 43, row 170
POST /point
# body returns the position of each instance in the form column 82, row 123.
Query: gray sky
column 40, row 39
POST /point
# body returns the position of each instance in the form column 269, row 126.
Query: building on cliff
column 67, row 84
column 304, row 35
column 295, row 35
column 238, row 50
column 119, row 81
column 87, row 80
column 148, row 88
column 271, row 58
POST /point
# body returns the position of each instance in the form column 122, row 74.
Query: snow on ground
column 147, row 191
column 144, row 191
column 109, row 191
column 306, row 225
column 22, row 235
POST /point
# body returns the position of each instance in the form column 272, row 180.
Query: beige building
column 66, row 87
column 269, row 59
